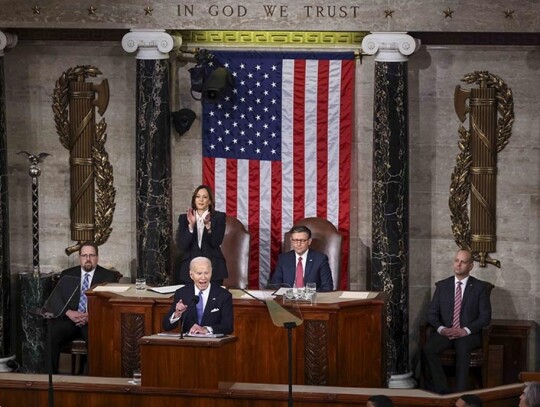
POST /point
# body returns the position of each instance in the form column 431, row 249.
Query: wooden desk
column 340, row 343
column 189, row 363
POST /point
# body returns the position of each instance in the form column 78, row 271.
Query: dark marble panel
column 153, row 200
column 33, row 293
column 5, row 293
column 390, row 206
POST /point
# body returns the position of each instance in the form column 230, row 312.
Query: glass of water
column 140, row 284
column 311, row 287
column 137, row 377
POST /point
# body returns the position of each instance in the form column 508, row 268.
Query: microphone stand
column 50, row 390
column 194, row 301
column 290, row 326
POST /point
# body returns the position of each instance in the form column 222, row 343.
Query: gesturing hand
column 207, row 221
column 180, row 308
column 191, row 217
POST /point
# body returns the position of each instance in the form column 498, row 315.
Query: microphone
column 194, row 301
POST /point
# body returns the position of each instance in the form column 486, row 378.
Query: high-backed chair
column 326, row 239
column 235, row 249
column 479, row 356
column 78, row 348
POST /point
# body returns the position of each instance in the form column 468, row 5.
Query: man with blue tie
column 201, row 307
column 460, row 308
column 73, row 323
column 302, row 265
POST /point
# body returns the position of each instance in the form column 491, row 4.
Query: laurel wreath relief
column 460, row 185
column 103, row 171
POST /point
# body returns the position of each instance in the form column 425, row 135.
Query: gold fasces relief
column 490, row 110
column 92, row 190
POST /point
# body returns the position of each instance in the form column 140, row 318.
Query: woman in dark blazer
column 200, row 233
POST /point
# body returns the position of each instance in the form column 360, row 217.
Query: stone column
column 390, row 206
column 153, row 151
column 6, row 40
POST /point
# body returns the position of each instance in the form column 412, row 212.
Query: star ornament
column 148, row 11
column 91, row 10
column 448, row 13
column 36, row 10
column 509, row 13
column 388, row 13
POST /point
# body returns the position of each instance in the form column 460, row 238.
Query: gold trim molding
column 331, row 39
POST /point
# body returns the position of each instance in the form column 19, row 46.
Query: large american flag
column 277, row 147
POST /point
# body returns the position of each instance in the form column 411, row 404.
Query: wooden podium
column 341, row 341
column 189, row 363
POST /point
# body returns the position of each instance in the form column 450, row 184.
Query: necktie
column 83, row 299
column 299, row 274
column 200, row 308
column 457, row 306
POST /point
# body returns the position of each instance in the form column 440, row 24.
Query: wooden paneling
column 17, row 390
column 513, row 335
column 189, row 363
column 340, row 343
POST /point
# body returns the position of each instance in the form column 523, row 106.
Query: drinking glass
column 140, row 284
column 137, row 377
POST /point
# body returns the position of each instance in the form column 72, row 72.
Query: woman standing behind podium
column 200, row 233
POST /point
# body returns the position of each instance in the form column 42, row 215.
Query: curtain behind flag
column 277, row 148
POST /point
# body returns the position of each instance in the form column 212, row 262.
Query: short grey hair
column 200, row 259
column 532, row 394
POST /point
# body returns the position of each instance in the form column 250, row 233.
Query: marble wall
column 32, row 67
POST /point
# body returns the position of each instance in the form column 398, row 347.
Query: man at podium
column 202, row 307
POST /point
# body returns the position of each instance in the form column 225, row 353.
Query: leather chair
column 235, row 248
column 78, row 348
column 479, row 356
column 326, row 239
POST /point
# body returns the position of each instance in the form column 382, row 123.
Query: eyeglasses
column 299, row 241
column 87, row 256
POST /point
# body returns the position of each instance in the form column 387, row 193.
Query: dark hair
column 211, row 208
column 472, row 400
column 91, row 244
column 300, row 229
column 381, row 401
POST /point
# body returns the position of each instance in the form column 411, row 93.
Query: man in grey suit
column 458, row 323
column 73, row 323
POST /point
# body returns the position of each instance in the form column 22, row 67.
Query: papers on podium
column 165, row 290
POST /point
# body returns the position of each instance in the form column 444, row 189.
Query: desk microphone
column 194, row 301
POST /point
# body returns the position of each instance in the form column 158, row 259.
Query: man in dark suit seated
column 460, row 308
column 302, row 265
column 203, row 307
column 73, row 324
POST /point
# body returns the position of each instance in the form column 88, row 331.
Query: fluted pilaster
column 390, row 206
column 153, row 149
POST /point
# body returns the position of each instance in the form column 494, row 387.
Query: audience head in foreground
column 202, row 307
column 531, row 395
column 469, row 400
column 379, row 401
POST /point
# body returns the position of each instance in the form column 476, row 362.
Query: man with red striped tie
column 460, row 308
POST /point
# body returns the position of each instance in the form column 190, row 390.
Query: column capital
column 150, row 44
column 7, row 40
column 390, row 46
